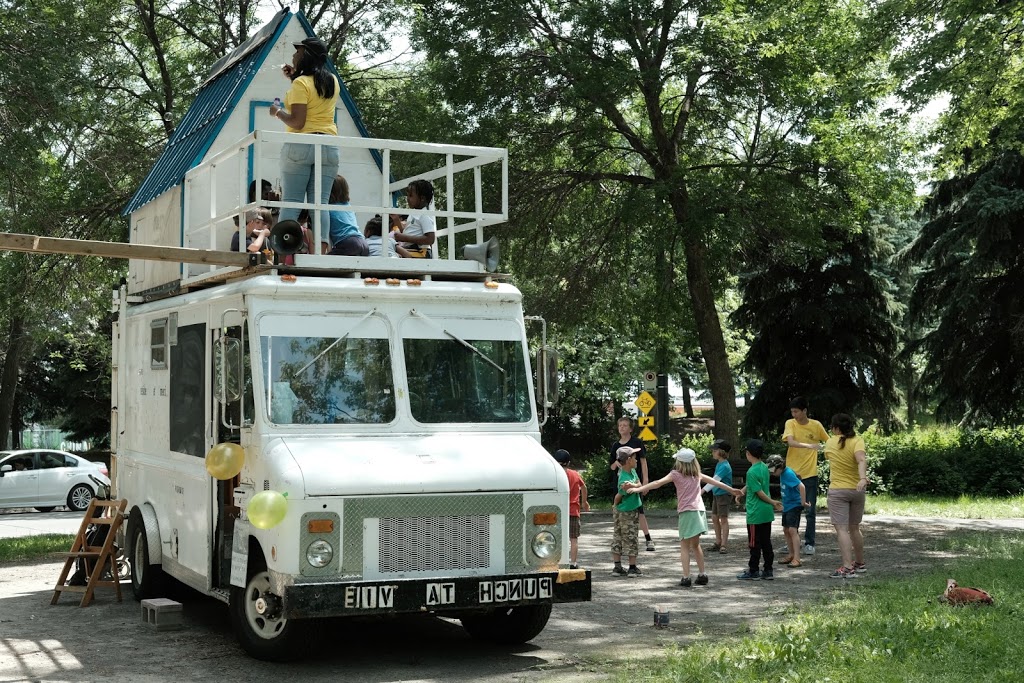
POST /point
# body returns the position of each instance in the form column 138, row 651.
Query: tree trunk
column 684, row 380
column 9, row 377
column 712, row 341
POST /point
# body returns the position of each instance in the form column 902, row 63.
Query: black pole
column 662, row 407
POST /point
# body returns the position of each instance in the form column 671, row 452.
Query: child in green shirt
column 626, row 515
column 760, row 514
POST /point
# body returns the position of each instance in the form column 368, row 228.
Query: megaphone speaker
column 485, row 253
column 286, row 238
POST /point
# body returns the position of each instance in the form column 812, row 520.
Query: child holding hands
column 760, row 514
column 693, row 520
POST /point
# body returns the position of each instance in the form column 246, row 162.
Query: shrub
column 948, row 461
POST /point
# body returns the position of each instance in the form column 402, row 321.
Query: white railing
column 215, row 191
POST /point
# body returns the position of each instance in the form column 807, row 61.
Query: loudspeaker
column 485, row 253
column 286, row 238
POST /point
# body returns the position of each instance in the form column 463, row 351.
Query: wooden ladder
column 101, row 557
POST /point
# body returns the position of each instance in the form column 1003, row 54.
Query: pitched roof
column 216, row 100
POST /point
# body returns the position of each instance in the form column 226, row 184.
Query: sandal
column 786, row 560
column 714, row 547
column 723, row 550
column 795, row 563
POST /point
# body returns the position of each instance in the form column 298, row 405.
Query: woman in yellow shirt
column 848, row 480
column 308, row 108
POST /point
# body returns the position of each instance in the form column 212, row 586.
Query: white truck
column 398, row 419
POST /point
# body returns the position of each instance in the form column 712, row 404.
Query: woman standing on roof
column 308, row 108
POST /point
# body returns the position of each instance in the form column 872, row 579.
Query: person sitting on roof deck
column 346, row 238
column 267, row 195
column 377, row 244
column 419, row 232
column 257, row 230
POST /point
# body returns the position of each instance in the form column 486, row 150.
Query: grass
column 881, row 631
column 34, row 547
column 963, row 507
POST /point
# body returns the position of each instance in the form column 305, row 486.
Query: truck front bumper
column 404, row 596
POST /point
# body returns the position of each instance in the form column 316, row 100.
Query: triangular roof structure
column 216, row 99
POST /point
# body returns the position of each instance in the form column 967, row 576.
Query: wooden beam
column 56, row 245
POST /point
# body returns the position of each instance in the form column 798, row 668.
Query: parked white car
column 44, row 479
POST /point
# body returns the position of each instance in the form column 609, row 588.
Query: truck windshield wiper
column 464, row 343
column 335, row 343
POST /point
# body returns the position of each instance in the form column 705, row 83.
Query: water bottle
column 277, row 102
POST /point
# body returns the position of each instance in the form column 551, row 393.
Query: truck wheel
column 262, row 631
column 147, row 579
column 79, row 497
column 508, row 625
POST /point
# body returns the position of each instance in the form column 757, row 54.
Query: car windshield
column 327, row 370
column 456, row 379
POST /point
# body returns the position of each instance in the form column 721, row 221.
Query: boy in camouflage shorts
column 626, row 515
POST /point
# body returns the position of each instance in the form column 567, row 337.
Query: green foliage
column 822, row 324
column 67, row 385
column 950, row 461
column 888, row 630
column 967, row 297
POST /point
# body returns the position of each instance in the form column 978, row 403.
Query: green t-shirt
column 630, row 501
column 758, row 511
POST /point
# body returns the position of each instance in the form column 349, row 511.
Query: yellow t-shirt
column 804, row 461
column 844, row 472
column 319, row 110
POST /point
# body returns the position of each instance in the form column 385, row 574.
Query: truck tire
column 147, row 579
column 257, row 622
column 508, row 625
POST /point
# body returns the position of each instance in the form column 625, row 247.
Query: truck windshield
column 456, row 379
column 330, row 379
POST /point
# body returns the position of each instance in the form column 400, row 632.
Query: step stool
column 162, row 614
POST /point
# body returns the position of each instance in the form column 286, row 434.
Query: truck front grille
column 418, row 544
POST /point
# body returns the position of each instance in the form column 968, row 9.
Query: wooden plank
column 149, row 252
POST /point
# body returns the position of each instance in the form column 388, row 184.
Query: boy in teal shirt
column 626, row 515
column 760, row 514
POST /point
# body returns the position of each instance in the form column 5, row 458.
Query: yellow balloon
column 225, row 460
column 267, row 509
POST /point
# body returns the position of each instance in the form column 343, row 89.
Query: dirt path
column 107, row 641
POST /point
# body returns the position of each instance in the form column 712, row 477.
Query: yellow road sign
column 647, row 435
column 644, row 402
column 645, row 421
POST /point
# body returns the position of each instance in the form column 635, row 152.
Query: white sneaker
column 808, row 550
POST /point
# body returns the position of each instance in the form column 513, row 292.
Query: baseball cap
column 720, row 445
column 562, row 455
column 314, row 46
column 622, row 455
column 755, row 447
column 774, row 462
column 686, row 455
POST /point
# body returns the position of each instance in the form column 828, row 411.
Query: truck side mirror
column 547, row 376
column 229, row 369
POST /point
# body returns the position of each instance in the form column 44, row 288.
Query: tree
column 964, row 302
column 823, row 326
column 967, row 297
column 670, row 125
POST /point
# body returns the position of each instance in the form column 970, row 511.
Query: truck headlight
column 319, row 553
column 544, row 545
